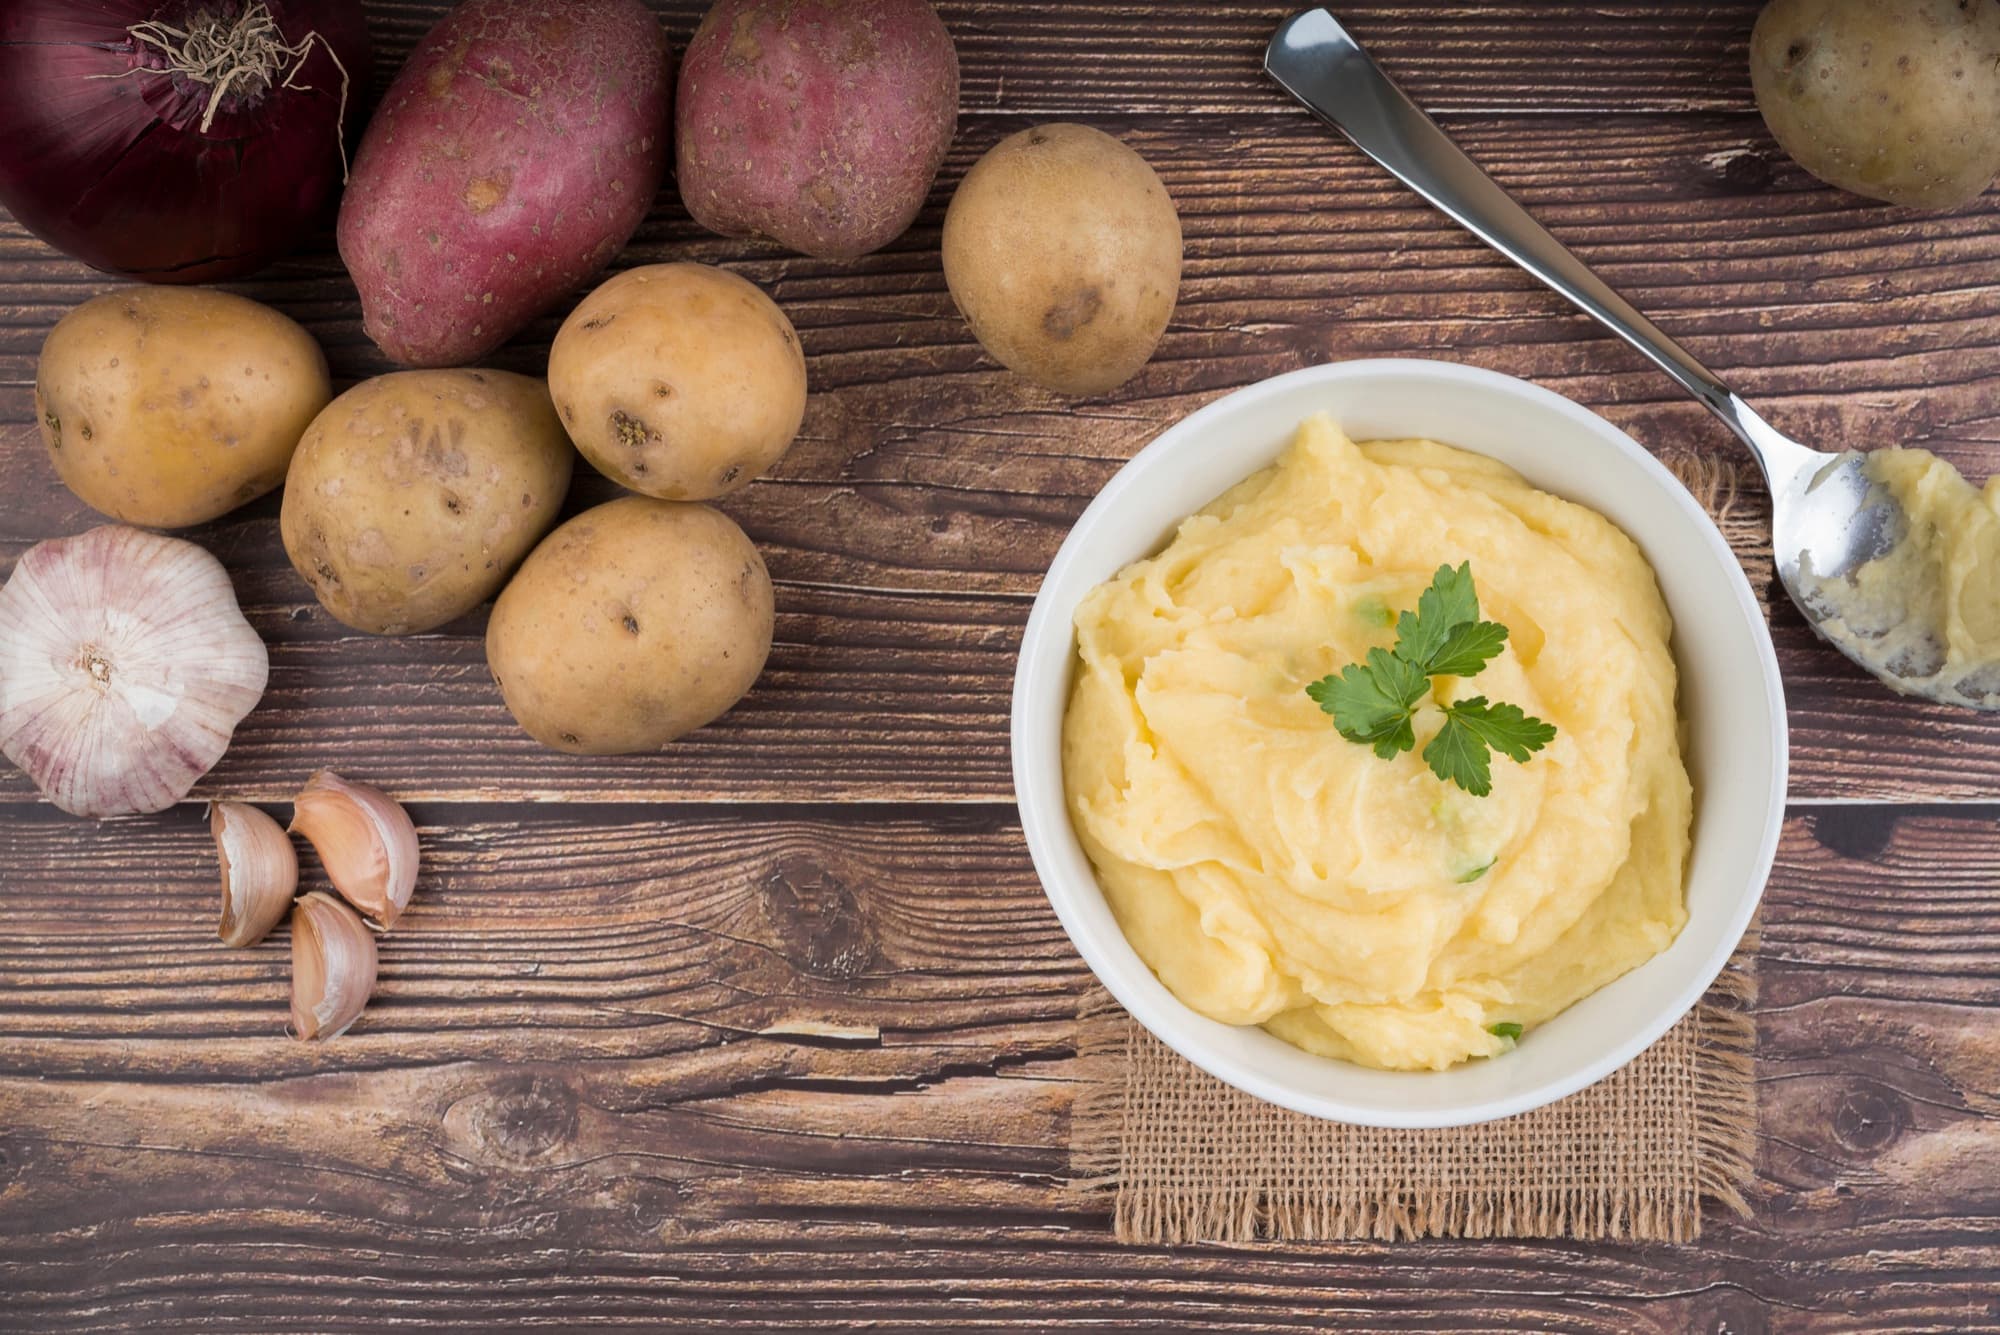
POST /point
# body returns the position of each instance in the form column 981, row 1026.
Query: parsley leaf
column 1446, row 605
column 1468, row 649
column 1374, row 703
column 1472, row 874
column 1504, row 1029
column 1456, row 755
column 1371, row 704
column 1471, row 727
column 1503, row 727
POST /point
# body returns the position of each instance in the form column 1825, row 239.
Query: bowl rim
column 1162, row 1014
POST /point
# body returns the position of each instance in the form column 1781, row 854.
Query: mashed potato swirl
column 1271, row 872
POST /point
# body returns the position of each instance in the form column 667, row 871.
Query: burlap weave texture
column 1189, row 1159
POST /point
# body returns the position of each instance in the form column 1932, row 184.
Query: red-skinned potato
column 515, row 153
column 819, row 124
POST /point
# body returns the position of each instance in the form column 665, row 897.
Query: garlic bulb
column 333, row 966
column 125, row 666
column 260, row 872
column 365, row 840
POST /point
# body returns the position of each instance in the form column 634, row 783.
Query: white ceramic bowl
column 1731, row 698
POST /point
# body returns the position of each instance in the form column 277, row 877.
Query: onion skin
column 118, row 173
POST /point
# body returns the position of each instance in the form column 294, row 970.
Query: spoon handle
column 1316, row 61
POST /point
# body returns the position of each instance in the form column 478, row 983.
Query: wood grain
column 1050, row 58
column 785, row 1067
column 909, row 527
column 774, row 1031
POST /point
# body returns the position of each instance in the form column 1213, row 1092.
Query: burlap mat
column 1186, row 1158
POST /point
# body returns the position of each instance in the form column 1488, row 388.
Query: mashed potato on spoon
column 1273, row 873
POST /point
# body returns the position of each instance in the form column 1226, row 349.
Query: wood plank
column 1046, row 58
column 910, row 525
column 779, row 1068
column 656, row 929
column 773, row 1064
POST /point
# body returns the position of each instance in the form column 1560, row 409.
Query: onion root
column 251, row 51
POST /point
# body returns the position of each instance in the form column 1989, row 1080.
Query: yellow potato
column 414, row 495
column 679, row 381
column 631, row 624
column 1063, row 252
column 1896, row 100
column 168, row 406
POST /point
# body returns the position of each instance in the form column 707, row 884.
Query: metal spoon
column 1828, row 517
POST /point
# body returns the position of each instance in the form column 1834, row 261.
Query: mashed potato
column 1930, row 606
column 1272, row 872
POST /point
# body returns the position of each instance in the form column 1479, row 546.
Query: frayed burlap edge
column 1105, row 1034
column 1726, row 1082
column 1284, row 1204
column 1722, row 1103
column 1713, row 480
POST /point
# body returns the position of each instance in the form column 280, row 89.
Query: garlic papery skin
column 125, row 666
column 333, row 966
column 260, row 872
column 365, row 839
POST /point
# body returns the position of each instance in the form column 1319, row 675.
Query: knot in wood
column 1860, row 834
column 818, row 921
column 1870, row 1119
column 518, row 1120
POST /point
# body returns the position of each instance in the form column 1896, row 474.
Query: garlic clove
column 365, row 839
column 260, row 872
column 125, row 666
column 333, row 966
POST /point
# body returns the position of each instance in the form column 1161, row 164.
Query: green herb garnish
column 1373, row 611
column 1505, row 1029
column 1374, row 702
column 1469, row 876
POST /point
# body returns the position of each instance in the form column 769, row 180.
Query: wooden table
column 774, row 1030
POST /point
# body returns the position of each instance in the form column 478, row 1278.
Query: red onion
column 178, row 141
